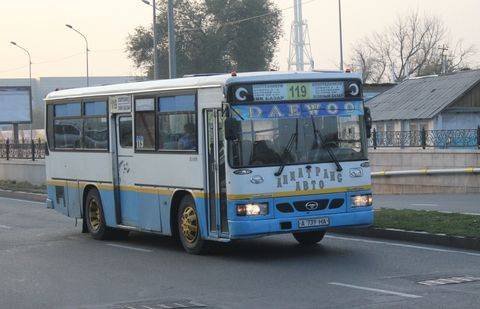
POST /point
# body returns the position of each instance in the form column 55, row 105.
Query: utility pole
column 156, row 65
column 299, row 41
column 341, row 34
column 172, row 58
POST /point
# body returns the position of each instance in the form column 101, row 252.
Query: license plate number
column 304, row 223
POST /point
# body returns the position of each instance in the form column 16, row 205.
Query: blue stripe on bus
column 138, row 210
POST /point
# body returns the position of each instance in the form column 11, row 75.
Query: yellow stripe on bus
column 104, row 186
column 201, row 194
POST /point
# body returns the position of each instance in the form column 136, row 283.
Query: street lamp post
column 172, row 62
column 86, row 48
column 341, row 35
column 156, row 65
column 15, row 126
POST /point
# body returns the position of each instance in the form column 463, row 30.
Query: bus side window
column 177, row 123
column 125, row 132
column 145, row 124
column 67, row 126
column 95, row 125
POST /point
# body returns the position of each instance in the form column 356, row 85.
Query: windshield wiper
column 287, row 150
column 237, row 113
column 325, row 146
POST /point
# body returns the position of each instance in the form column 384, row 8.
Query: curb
column 27, row 196
column 468, row 243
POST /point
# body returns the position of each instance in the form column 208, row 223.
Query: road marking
column 129, row 248
column 157, row 304
column 195, row 304
column 452, row 280
column 402, row 245
column 375, row 290
column 425, row 204
column 22, row 200
column 5, row 227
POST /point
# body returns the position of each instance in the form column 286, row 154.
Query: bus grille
column 302, row 205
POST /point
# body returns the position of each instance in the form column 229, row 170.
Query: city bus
column 212, row 158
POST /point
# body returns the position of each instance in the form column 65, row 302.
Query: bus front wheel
column 189, row 227
column 309, row 238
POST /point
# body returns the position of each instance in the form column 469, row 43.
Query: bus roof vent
column 202, row 74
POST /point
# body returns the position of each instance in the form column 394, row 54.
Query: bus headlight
column 363, row 200
column 252, row 209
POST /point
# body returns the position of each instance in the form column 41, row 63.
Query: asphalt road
column 45, row 262
column 462, row 203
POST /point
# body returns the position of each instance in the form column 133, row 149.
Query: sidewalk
column 459, row 203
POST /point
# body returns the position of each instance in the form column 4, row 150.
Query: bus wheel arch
column 174, row 205
column 86, row 190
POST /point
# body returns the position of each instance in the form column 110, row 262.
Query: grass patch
column 22, row 186
column 429, row 221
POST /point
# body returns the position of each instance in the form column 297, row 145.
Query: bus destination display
column 290, row 91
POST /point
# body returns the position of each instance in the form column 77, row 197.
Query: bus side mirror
column 368, row 122
column 232, row 128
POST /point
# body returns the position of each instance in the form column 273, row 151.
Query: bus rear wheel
column 95, row 219
column 189, row 227
column 309, row 238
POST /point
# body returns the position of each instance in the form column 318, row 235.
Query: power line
column 14, row 69
column 58, row 59
column 107, row 50
column 263, row 15
column 235, row 22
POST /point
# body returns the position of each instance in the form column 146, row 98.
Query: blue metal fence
column 461, row 138
column 32, row 150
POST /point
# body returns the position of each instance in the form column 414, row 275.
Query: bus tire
column 95, row 217
column 189, row 227
column 309, row 238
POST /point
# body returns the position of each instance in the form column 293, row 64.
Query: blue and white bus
column 212, row 158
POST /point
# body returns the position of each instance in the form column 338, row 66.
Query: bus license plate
column 304, row 223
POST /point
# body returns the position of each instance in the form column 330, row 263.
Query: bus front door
column 127, row 214
column 136, row 206
column 216, row 183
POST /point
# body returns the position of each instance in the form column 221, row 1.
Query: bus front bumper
column 257, row 228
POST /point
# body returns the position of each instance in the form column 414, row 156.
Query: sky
column 56, row 50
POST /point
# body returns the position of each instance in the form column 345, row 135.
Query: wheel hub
column 94, row 214
column 189, row 224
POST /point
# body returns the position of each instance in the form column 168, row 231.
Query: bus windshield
column 311, row 133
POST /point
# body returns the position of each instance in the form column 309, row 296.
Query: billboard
column 15, row 105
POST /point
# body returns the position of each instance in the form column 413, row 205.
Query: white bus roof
column 194, row 82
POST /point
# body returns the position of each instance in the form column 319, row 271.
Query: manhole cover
column 451, row 280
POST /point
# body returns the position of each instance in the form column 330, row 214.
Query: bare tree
column 370, row 61
column 412, row 46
